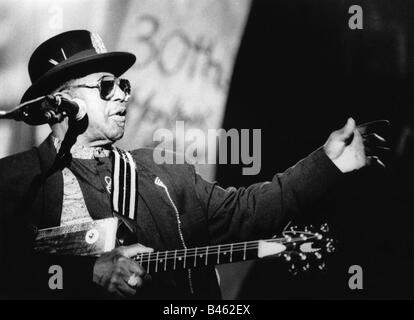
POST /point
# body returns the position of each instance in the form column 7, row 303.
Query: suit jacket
column 31, row 193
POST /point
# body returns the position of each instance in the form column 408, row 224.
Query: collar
column 79, row 151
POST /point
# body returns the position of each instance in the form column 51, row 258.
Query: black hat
column 70, row 55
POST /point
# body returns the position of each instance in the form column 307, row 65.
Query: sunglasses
column 107, row 87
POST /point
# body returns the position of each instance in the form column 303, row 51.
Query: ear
column 66, row 93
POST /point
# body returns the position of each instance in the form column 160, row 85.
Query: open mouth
column 119, row 117
column 121, row 113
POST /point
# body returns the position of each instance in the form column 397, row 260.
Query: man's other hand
column 119, row 274
column 354, row 147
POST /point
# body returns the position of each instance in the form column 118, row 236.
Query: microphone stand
column 44, row 109
column 26, row 112
column 50, row 109
column 75, row 128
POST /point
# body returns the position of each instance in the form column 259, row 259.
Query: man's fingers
column 372, row 160
column 133, row 250
column 373, row 126
column 375, row 145
column 127, row 290
column 373, row 139
column 121, row 288
column 375, row 150
column 382, row 148
column 347, row 131
column 134, row 281
column 135, row 268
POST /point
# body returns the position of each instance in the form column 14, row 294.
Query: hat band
column 79, row 55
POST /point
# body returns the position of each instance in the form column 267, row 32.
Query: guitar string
column 308, row 235
column 171, row 258
column 214, row 249
column 207, row 249
column 171, row 254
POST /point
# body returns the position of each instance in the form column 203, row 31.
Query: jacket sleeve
column 263, row 209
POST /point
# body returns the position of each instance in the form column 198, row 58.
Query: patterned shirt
column 88, row 175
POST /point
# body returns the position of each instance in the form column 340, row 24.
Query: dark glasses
column 107, row 87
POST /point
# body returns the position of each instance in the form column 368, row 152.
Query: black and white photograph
column 219, row 151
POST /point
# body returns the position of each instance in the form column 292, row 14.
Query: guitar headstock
column 306, row 248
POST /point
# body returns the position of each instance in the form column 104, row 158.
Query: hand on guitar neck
column 118, row 273
column 125, row 269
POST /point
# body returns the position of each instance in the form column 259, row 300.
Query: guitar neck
column 96, row 237
column 200, row 256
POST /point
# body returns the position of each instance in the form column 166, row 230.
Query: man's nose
column 120, row 95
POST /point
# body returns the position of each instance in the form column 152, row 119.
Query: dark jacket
column 31, row 193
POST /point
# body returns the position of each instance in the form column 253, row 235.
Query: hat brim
column 116, row 63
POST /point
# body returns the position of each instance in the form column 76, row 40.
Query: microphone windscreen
column 82, row 109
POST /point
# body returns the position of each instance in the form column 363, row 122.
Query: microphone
column 74, row 108
column 46, row 109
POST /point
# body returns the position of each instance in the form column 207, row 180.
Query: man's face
column 106, row 118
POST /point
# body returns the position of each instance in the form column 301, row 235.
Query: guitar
column 300, row 248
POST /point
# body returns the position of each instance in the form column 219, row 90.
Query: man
column 76, row 175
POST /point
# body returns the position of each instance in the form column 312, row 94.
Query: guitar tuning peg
column 321, row 266
column 330, row 248
column 325, row 228
column 302, row 256
column 330, row 245
column 287, row 257
column 293, row 270
column 318, row 255
column 306, row 267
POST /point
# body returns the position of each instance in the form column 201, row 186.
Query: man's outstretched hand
column 354, row 147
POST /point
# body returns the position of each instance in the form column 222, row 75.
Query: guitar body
column 89, row 238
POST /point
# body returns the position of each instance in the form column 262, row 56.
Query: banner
column 185, row 51
column 185, row 55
